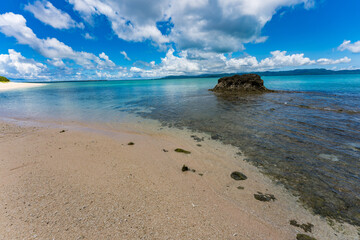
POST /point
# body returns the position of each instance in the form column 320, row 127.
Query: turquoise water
column 307, row 137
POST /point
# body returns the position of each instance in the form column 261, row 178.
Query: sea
column 305, row 136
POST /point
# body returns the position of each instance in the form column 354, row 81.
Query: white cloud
column 56, row 62
column 352, row 47
column 131, row 20
column 136, row 70
column 125, row 55
column 14, row 25
column 217, row 25
column 280, row 59
column 50, row 15
column 105, row 60
column 198, row 62
column 14, row 65
column 261, row 39
column 326, row 61
column 88, row 36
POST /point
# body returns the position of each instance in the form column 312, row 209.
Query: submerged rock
column 198, row 139
column 264, row 197
column 329, row 157
column 246, row 83
column 215, row 137
column 306, row 227
column 304, row 237
column 238, row 176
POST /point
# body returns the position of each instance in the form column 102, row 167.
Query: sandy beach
column 18, row 85
column 81, row 182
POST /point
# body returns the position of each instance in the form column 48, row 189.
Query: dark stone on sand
column 185, row 168
column 264, row 197
column 306, row 227
column 246, row 83
column 304, row 237
column 180, row 150
column 238, row 176
column 215, row 137
column 131, row 143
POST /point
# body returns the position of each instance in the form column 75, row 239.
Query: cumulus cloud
column 56, row 62
column 14, row 65
column 352, row 47
column 125, row 55
column 280, row 59
column 216, row 25
column 198, row 62
column 105, row 60
column 14, row 25
column 327, row 61
column 131, row 20
column 50, row 15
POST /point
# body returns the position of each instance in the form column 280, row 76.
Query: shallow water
column 308, row 138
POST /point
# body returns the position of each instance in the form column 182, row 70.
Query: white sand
column 17, row 85
column 90, row 184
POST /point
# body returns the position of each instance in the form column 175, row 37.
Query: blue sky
column 49, row 40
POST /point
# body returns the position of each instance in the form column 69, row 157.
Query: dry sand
column 88, row 183
column 17, row 85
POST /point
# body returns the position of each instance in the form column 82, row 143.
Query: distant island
column 315, row 71
column 4, row 79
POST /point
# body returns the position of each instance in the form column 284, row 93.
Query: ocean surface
column 307, row 136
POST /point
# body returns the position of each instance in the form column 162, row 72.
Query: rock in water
column 304, row 237
column 246, row 83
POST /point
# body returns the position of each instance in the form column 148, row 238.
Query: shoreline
column 18, row 85
column 65, row 179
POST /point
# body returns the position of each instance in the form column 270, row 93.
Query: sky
column 50, row 40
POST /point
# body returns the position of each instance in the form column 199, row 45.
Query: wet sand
column 87, row 183
column 17, row 85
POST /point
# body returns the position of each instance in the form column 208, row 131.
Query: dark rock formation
column 246, row 83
